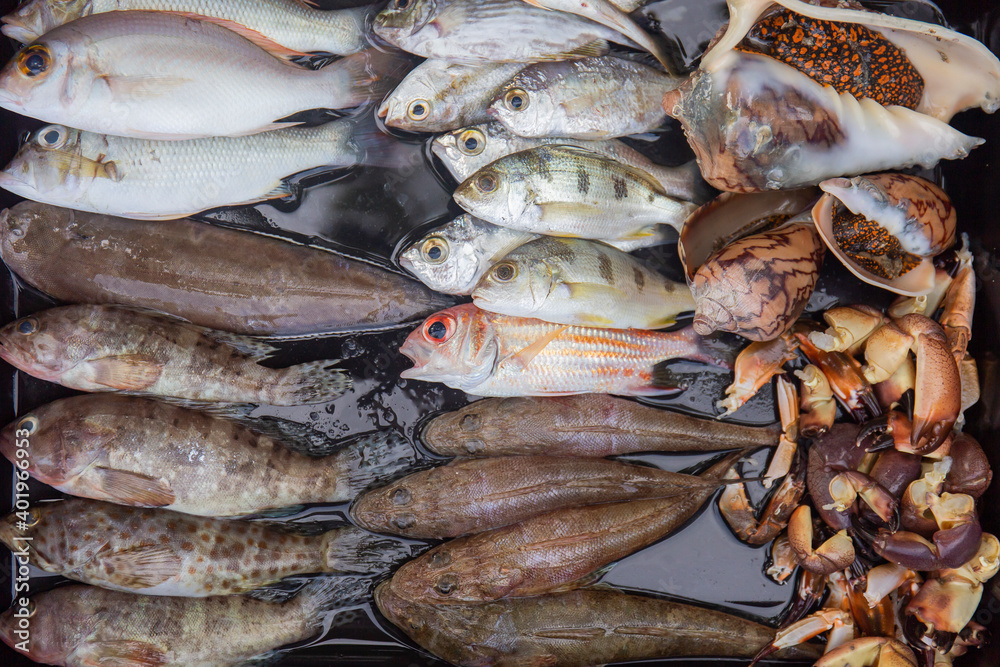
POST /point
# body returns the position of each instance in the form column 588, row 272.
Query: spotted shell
column 758, row 285
column 912, row 220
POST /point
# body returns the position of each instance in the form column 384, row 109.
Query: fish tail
column 325, row 593
column 375, row 457
column 372, row 147
column 707, row 349
column 364, row 77
column 352, row 550
column 312, row 382
column 718, row 470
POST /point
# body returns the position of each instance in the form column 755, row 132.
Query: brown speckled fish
column 86, row 625
column 133, row 451
column 113, row 348
column 158, row 552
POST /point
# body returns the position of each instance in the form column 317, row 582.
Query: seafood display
column 422, row 331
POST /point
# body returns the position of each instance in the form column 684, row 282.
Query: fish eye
column 504, row 272
column 31, row 608
column 418, row 109
column 34, row 60
column 446, row 585
column 52, row 136
column 401, row 496
column 439, row 329
column 486, row 183
column 434, row 250
column 27, row 326
column 401, row 4
column 472, row 142
column 470, row 422
column 34, row 517
column 28, row 423
column 516, row 99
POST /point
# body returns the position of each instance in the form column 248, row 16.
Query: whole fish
column 580, row 282
column 486, row 354
column 591, row 99
column 452, row 258
column 575, row 629
column 473, row 495
column 569, row 191
column 159, row 75
column 142, row 453
column 114, row 348
column 440, row 95
column 559, row 550
column 200, row 272
column 160, row 180
column 585, row 425
column 466, row 151
column 608, row 13
column 297, row 26
column 491, row 31
column 86, row 625
column 158, row 552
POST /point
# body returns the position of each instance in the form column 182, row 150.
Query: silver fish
column 159, row 75
column 296, row 26
column 490, row 31
column 590, row 99
column 580, row 282
column 439, row 95
column 466, row 151
column 161, row 180
column 569, row 191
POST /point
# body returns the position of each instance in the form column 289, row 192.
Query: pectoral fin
column 524, row 357
column 129, row 488
column 120, row 654
column 126, row 372
column 141, row 567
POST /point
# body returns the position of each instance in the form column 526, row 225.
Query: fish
column 577, row 628
column 486, row 354
column 158, row 552
column 146, row 179
column 474, row 31
column 296, row 26
column 143, row 453
column 569, row 191
column 466, row 151
column 85, row 625
column 583, row 283
column 452, row 258
column 608, row 13
column 588, row 99
column 160, row 75
column 474, row 495
column 201, row 273
column 439, row 95
column 592, row 425
column 559, row 550
column 115, row 348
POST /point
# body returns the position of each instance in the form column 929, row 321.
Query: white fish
column 159, row 75
column 162, row 180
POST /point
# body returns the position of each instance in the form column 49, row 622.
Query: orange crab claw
column 869, row 651
column 845, row 377
column 835, row 554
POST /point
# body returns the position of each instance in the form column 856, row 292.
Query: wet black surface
column 371, row 211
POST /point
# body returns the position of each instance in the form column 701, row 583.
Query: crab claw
column 880, row 651
column 756, row 364
column 850, row 326
column 891, row 392
column 844, row 374
column 848, row 486
column 788, row 409
column 955, row 542
column 890, row 430
column 734, row 505
column 884, row 579
column 838, row 622
column 959, row 303
column 782, row 560
column 835, row 554
column 817, row 408
column 915, row 507
column 924, row 304
column 970, row 471
column 885, row 352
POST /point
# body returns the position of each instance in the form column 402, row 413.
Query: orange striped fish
column 487, row 354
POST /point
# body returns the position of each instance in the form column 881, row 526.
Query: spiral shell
column 886, row 228
column 758, row 285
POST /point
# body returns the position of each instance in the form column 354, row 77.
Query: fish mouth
column 383, row 109
column 15, row 28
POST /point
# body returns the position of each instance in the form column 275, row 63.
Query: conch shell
column 758, row 123
column 886, row 228
column 758, row 285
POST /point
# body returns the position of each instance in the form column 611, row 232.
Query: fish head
column 393, row 508
column 456, row 571
column 469, row 149
column 495, row 193
column 415, row 106
column 53, row 446
column 525, row 106
column 403, row 18
column 36, row 17
column 446, row 260
column 467, row 431
column 456, row 346
column 44, row 76
column 51, row 166
column 517, row 285
column 33, row 530
column 47, row 345
column 47, row 628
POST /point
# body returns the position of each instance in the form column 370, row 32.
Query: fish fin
column 325, row 593
column 142, row 87
column 129, row 488
column 649, row 137
column 122, row 653
column 351, row 550
column 598, row 47
column 142, row 567
column 365, row 77
column 308, row 4
column 299, row 437
column 271, row 657
column 536, row 3
column 315, row 382
column 232, row 411
column 584, row 581
column 255, row 348
column 277, row 512
column 372, row 457
column 127, row 372
column 525, row 355
column 260, row 39
column 374, row 147
column 280, row 191
column 717, row 470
